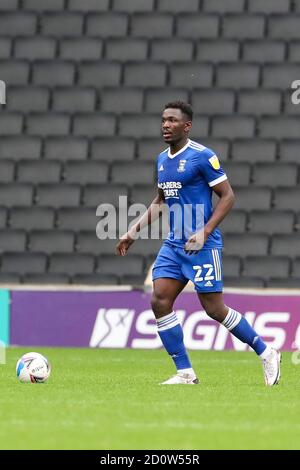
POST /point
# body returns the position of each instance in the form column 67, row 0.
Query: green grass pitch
column 110, row 399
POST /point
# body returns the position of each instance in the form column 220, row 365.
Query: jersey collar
column 179, row 151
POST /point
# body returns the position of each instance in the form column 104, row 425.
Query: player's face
column 175, row 125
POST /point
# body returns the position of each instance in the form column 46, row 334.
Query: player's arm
column 147, row 218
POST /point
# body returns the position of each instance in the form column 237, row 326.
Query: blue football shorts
column 204, row 268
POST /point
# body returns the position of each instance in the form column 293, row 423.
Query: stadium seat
column 248, row 244
column 12, row 240
column 40, row 124
column 31, row 218
column 238, row 173
column 94, row 124
column 284, row 283
column 271, row 221
column 88, row 5
column 217, row 50
column 35, row 48
column 296, row 268
column 146, row 247
column 279, row 127
column 10, row 123
column 213, row 102
column 81, row 49
column 285, row 245
column 46, row 278
column 145, row 74
column 107, row 25
column 287, row 198
column 143, row 194
column 225, row 6
column 77, row 218
column 72, row 100
column 50, row 241
column 121, row 100
column 263, row 51
column 93, row 195
column 53, row 73
column 9, row 5
column 71, row 263
column 120, row 148
column 7, row 171
column 23, row 263
column 148, row 148
column 132, row 280
column 157, row 98
column 233, row 126
column 86, row 172
column 269, row 6
column 280, row 75
column 289, row 107
column 111, row 264
column 257, row 102
column 282, row 174
column 152, row 25
column 18, row 23
column 234, row 222
column 132, row 173
column 266, row 266
column 66, row 148
column 126, row 49
column 178, row 7
column 9, row 278
column 44, row 5
column 200, row 127
column 5, row 48
column 20, row 147
column 38, row 171
column 191, row 75
column 95, row 279
column 251, row 198
column 88, row 242
column 284, row 27
column 16, row 194
column 99, row 75
column 58, row 195
column 237, row 75
column 176, row 50
column 28, row 99
column 131, row 125
column 258, row 150
column 62, row 24
column 231, row 266
column 293, row 54
column 133, row 5
column 248, row 282
column 289, row 150
column 14, row 72
column 239, row 26
column 219, row 146
column 3, row 217
column 198, row 26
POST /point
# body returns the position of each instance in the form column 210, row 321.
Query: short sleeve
column 210, row 168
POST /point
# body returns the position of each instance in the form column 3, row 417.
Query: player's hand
column 124, row 244
column 196, row 242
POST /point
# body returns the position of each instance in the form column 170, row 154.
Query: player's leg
column 214, row 306
column 165, row 291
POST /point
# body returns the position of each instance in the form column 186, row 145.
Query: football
column 32, row 367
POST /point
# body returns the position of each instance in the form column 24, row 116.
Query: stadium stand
column 86, row 83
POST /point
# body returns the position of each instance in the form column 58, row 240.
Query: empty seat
column 7, row 171
column 16, row 194
column 231, row 266
column 155, row 99
column 264, row 51
column 243, row 26
column 287, row 198
column 152, row 25
column 89, row 125
column 72, row 100
column 178, row 7
column 145, row 74
column 170, row 51
column 195, row 26
column 271, row 221
column 107, row 24
column 279, row 127
column 289, row 150
column 286, row 245
column 246, row 150
column 14, row 72
column 77, row 219
column 244, row 282
column 120, row 148
column 269, row 6
column 29, row 99
column 191, row 75
column 48, row 124
column 109, row 264
column 143, row 194
column 100, row 75
column 289, row 105
column 233, row 126
column 86, row 172
column 9, row 5
column 35, row 48
column 65, row 148
column 148, row 149
column 133, row 5
column 252, row 198
column 238, row 75
column 294, row 53
column 266, row 266
column 134, row 126
column 46, row 278
column 71, row 263
column 81, row 48
column 238, row 173
column 284, row 27
column 18, row 24
column 259, row 102
column 247, row 245
column 58, row 195
column 95, row 279
column 12, row 240
column 22, row 263
column 38, row 171
column 93, row 195
column 20, row 147
column 62, row 24
column 284, row 283
column 55, row 73
column 146, row 247
column 122, row 100
column 200, row 127
column 132, row 280
column 45, row 5
column 5, row 48
column 296, row 268
column 280, row 75
column 9, row 278
column 126, row 49
column 32, row 218
column 10, row 123
column 51, row 241
column 281, row 174
column 88, row 242
column 219, row 146
column 88, row 5
column 225, row 6
column 216, row 50
column 213, row 101
column 132, row 173
column 3, row 217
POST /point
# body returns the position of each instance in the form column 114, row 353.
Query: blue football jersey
column 187, row 178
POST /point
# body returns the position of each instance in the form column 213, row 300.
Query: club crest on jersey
column 181, row 166
column 214, row 161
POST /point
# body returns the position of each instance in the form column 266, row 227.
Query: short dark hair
column 185, row 108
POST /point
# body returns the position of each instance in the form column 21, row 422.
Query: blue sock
column 239, row 327
column 171, row 335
